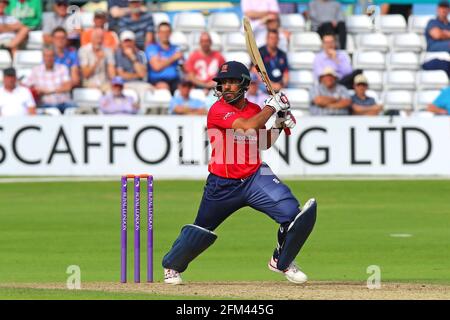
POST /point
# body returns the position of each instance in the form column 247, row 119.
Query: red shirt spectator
column 203, row 64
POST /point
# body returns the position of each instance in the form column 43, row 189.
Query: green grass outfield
column 46, row 227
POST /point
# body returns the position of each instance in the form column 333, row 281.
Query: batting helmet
column 233, row 70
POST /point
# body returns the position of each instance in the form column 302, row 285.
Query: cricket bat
column 255, row 56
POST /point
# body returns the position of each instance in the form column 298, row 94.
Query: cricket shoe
column 172, row 277
column 292, row 273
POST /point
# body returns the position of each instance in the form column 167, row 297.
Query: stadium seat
column 369, row 60
column 35, row 40
column 5, row 59
column 391, row 23
column 87, row 99
column 351, row 46
column 234, row 41
column 402, row 60
column 400, row 80
column 131, row 93
column 372, row 42
column 305, row 41
column 179, row 39
column 303, row 79
column 423, row 98
column 298, row 98
column 51, row 111
column 240, row 56
column 224, row 22
column 194, row 40
column 301, row 60
column 418, row 23
column 159, row 17
column 406, row 42
column 194, row 94
column 189, row 21
column 433, row 79
column 156, row 102
column 87, row 19
column 398, row 100
column 359, row 24
column 375, row 79
column 27, row 59
column 292, row 22
column 23, row 73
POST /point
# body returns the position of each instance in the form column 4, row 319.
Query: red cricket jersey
column 204, row 67
column 235, row 154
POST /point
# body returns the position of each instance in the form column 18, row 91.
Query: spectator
column 51, row 83
column 203, row 64
column 118, row 9
column 437, row 31
column 65, row 55
column 273, row 23
column 183, row 104
column 254, row 93
column 97, row 63
column 131, row 64
column 116, row 102
column 275, row 60
column 15, row 100
column 391, row 8
column 338, row 60
column 441, row 105
column 60, row 18
column 12, row 32
column 259, row 11
column 329, row 97
column 110, row 37
column 163, row 59
column 327, row 18
column 28, row 12
column 363, row 105
column 140, row 22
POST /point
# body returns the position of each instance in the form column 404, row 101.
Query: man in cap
column 329, row 97
column 437, row 31
column 61, row 18
column 363, row 105
column 131, row 64
column 116, row 102
column 238, row 178
column 15, row 100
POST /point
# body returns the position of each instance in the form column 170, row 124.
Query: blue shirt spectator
column 441, row 105
column 183, row 104
column 437, row 31
column 69, row 58
column 163, row 58
column 275, row 60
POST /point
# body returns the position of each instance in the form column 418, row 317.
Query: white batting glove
column 286, row 120
column 278, row 102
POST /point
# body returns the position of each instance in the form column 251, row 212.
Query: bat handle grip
column 287, row 131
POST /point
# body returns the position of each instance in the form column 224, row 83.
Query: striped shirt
column 51, row 80
column 338, row 92
column 140, row 27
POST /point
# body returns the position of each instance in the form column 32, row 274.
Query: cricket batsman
column 238, row 178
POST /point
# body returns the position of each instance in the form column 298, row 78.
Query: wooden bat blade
column 255, row 56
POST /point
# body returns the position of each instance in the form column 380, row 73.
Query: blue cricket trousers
column 262, row 191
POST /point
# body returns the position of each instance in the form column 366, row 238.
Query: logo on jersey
column 229, row 114
column 276, row 180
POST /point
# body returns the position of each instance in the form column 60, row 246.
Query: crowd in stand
column 125, row 50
